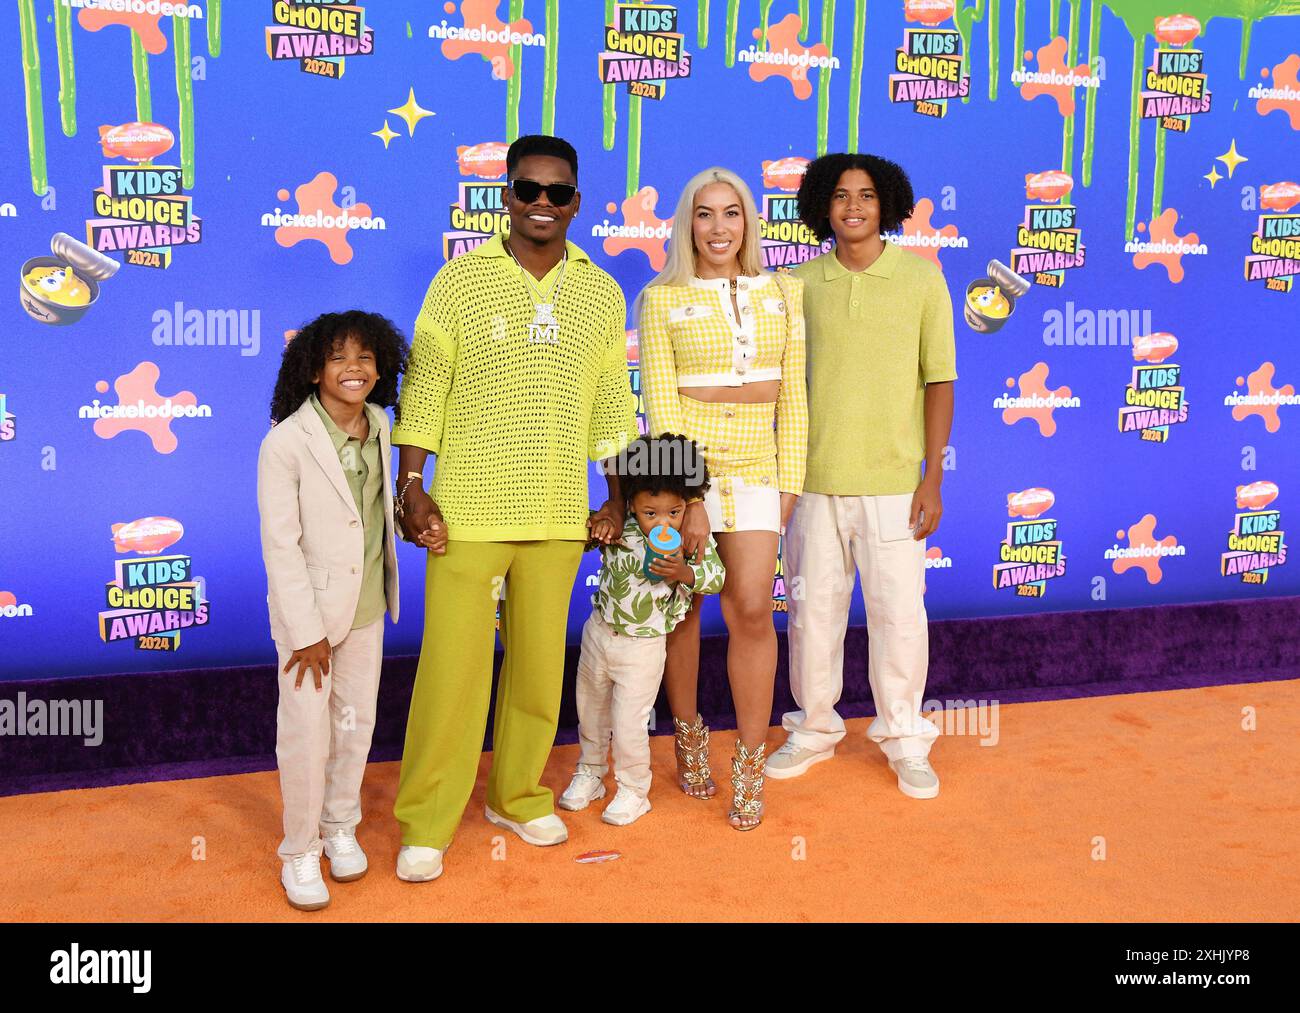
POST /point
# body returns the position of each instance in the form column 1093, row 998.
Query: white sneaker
column 302, row 882
column 543, row 831
column 916, row 778
column 418, row 865
column 627, row 807
column 584, row 789
column 792, row 760
column 347, row 860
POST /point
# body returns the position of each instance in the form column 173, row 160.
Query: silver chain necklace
column 545, row 328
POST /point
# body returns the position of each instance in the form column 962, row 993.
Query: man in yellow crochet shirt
column 517, row 378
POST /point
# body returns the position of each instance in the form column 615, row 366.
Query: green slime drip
column 824, row 76
column 184, row 96
column 702, row 24
column 733, row 15
column 764, row 13
column 549, row 68
column 1071, row 54
column 855, row 70
column 514, row 87
column 140, row 70
column 67, row 68
column 1090, row 100
column 609, row 114
column 633, row 145
column 1020, row 35
column 32, row 87
column 965, row 17
column 995, row 50
column 803, row 20
column 214, row 28
column 1134, row 137
column 1054, row 18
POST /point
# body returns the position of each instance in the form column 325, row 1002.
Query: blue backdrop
column 389, row 114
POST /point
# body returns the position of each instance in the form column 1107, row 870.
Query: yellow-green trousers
column 453, row 683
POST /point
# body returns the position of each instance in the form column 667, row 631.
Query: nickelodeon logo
column 10, row 607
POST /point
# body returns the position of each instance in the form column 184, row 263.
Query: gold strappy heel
column 692, row 747
column 747, row 785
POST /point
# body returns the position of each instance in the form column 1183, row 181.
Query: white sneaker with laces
column 300, row 876
column 417, row 864
column 792, row 760
column 627, row 807
column 584, row 789
column 347, row 860
column 543, row 831
column 916, row 778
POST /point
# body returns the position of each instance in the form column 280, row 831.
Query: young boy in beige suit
column 325, row 497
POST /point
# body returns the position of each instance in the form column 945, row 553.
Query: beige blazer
column 313, row 543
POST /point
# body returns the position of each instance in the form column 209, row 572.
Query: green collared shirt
column 875, row 338
column 365, row 474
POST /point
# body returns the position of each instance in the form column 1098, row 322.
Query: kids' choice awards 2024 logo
column 1031, row 553
column 1048, row 241
column 1154, row 399
column 8, row 424
column 1256, row 543
column 318, row 35
column 785, row 240
column 153, row 597
column 643, row 49
column 143, row 214
column 1275, row 245
column 928, row 64
column 1175, row 85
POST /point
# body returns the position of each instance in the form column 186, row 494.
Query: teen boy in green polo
column 881, row 366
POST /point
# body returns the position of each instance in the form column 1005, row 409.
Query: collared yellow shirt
column 875, row 338
column 364, row 472
column 514, row 413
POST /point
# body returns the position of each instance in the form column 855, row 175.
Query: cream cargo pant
column 323, row 739
column 618, row 680
column 828, row 537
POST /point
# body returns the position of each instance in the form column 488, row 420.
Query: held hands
column 788, row 501
column 606, row 524
column 673, row 567
column 927, row 508
column 695, row 531
column 314, row 659
column 422, row 521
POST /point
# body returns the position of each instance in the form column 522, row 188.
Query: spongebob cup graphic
column 990, row 301
column 60, row 289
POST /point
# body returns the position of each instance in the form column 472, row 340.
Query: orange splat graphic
column 1142, row 536
column 1286, row 75
column 783, row 37
column 7, row 599
column 639, row 214
column 475, row 13
column 140, row 385
column 92, row 19
column 932, row 552
column 1260, row 384
column 1051, row 58
column 1162, row 230
column 317, row 198
column 919, row 225
column 1034, row 384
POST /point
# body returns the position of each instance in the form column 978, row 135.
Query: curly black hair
column 893, row 190
column 665, row 463
column 304, row 358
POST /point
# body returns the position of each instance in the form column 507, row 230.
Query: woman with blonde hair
column 722, row 361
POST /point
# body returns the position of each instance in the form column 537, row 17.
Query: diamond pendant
column 544, row 329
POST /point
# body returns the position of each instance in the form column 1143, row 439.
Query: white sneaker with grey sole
column 584, row 789
column 916, row 778
column 347, row 860
column 417, row 864
column 627, row 807
column 542, row 832
column 303, row 885
column 792, row 760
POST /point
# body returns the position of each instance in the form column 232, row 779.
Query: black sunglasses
column 559, row 194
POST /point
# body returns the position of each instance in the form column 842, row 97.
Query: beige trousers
column 828, row 537
column 323, row 739
column 618, row 680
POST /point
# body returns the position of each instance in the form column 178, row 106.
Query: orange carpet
column 1196, row 816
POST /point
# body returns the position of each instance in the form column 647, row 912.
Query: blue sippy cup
column 662, row 541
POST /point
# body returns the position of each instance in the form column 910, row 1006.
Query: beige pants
column 618, row 680
column 323, row 739
column 828, row 537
